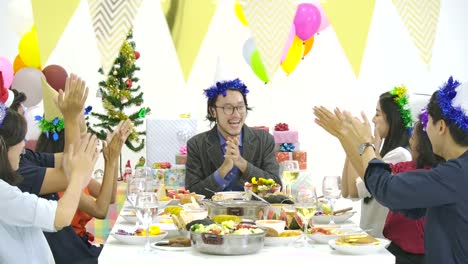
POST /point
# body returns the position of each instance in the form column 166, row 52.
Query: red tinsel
column 281, row 127
column 137, row 54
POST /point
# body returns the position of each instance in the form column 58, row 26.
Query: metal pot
column 254, row 210
column 227, row 244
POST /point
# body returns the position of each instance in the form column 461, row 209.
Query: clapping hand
column 81, row 158
column 333, row 123
column 115, row 140
column 356, row 130
column 71, row 102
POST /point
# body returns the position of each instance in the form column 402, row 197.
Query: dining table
column 115, row 251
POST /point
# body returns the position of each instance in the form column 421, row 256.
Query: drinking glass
column 147, row 210
column 145, row 173
column 290, row 174
column 331, row 189
column 305, row 206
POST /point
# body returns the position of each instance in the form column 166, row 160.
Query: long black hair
column 426, row 157
column 398, row 135
column 12, row 131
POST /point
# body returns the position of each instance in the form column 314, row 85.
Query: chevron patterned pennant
column 421, row 18
column 112, row 20
column 270, row 22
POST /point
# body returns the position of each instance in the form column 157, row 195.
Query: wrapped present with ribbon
column 175, row 176
column 181, row 158
column 301, row 157
column 283, row 156
column 287, row 147
column 282, row 134
column 159, row 175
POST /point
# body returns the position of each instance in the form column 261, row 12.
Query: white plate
column 167, row 248
column 138, row 240
column 129, row 216
column 359, row 249
column 325, row 219
column 323, row 238
column 163, row 204
column 280, row 241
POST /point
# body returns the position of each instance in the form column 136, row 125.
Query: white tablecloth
column 117, row 252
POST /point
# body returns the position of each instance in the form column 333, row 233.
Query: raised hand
column 357, row 130
column 333, row 123
column 115, row 140
column 71, row 102
column 80, row 160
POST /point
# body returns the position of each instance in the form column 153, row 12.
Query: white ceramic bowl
column 138, row 240
column 277, row 225
column 280, row 241
column 359, row 249
column 339, row 219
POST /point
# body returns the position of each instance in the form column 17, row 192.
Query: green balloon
column 258, row 67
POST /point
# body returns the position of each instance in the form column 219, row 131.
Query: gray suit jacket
column 204, row 157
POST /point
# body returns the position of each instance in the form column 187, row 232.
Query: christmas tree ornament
column 137, row 54
column 129, row 83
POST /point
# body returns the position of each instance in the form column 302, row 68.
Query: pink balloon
column 289, row 41
column 324, row 22
column 307, row 20
column 7, row 72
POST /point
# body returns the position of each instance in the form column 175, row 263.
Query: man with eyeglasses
column 231, row 153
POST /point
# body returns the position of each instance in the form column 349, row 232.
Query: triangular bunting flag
column 421, row 19
column 112, row 20
column 351, row 28
column 51, row 18
column 188, row 22
column 270, row 23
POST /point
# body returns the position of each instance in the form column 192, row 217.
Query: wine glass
column 147, row 210
column 305, row 206
column 331, row 189
column 145, row 173
column 290, row 173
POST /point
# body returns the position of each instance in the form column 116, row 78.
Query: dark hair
column 48, row 145
column 397, row 132
column 19, row 98
column 459, row 136
column 12, row 131
column 212, row 104
column 426, row 157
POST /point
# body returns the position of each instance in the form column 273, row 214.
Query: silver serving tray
column 227, row 244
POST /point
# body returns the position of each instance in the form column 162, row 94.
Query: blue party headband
column 222, row 87
column 445, row 98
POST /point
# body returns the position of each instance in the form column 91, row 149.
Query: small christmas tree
column 118, row 93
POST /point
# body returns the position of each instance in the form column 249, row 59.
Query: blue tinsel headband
column 423, row 117
column 453, row 114
column 3, row 113
column 221, row 88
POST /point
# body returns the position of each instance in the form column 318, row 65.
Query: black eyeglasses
column 229, row 109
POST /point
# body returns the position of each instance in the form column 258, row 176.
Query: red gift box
column 300, row 156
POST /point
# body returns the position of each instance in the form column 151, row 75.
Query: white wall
column 323, row 78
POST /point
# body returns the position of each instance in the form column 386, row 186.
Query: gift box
column 300, row 156
column 175, row 176
column 159, row 175
column 290, row 136
column 180, row 159
column 164, row 137
column 296, row 146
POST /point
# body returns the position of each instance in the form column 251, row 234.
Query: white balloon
column 248, row 49
column 33, row 128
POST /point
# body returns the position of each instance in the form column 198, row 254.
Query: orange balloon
column 308, row 45
column 18, row 64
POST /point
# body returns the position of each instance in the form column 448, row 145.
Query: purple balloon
column 307, row 20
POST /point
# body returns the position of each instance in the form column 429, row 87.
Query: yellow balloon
column 294, row 56
column 28, row 49
column 240, row 13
